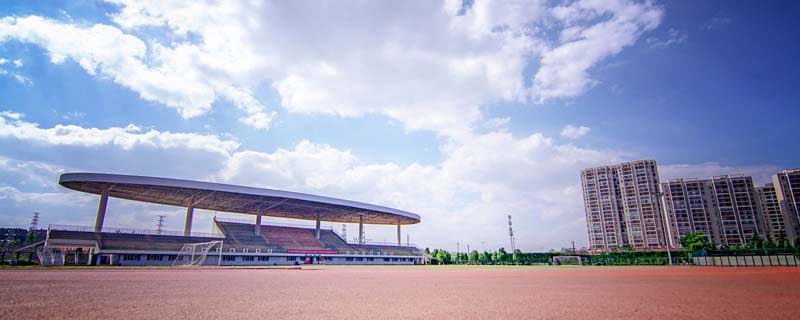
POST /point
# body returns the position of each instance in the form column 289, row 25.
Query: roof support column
column 360, row 229
column 398, row 233
column 101, row 211
column 187, row 227
column 317, row 229
column 258, row 224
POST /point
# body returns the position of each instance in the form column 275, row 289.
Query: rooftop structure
column 231, row 198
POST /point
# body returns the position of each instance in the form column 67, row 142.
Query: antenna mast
column 511, row 234
column 34, row 221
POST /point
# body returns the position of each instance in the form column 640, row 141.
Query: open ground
column 417, row 292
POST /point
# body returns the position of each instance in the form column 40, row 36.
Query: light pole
column 663, row 197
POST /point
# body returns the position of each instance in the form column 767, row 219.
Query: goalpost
column 567, row 260
column 194, row 254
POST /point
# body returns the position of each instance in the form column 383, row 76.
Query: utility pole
column 511, row 234
column 573, row 247
column 160, row 225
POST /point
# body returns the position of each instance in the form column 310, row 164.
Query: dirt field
column 403, row 293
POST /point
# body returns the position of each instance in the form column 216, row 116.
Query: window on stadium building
column 131, row 257
column 291, row 258
column 248, row 258
column 263, row 258
column 228, row 258
column 154, row 257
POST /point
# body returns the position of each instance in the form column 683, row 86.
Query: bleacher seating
column 128, row 241
column 238, row 236
column 333, row 241
column 292, row 238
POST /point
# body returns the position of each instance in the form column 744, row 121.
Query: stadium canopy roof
column 232, row 198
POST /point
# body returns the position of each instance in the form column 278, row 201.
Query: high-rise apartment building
column 601, row 199
column 774, row 221
column 735, row 200
column 622, row 206
column 787, row 191
column 724, row 208
column 688, row 204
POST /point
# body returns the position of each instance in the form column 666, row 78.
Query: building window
column 348, row 259
column 245, row 250
column 131, row 257
column 228, row 258
column 263, row 258
column 172, row 257
column 154, row 257
column 232, row 250
column 258, row 250
column 248, row 258
column 291, row 258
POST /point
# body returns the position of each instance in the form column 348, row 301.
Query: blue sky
column 461, row 117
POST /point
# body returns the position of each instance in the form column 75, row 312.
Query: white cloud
column 481, row 179
column 429, row 65
column 717, row 22
column 12, row 126
column 23, row 79
column 588, row 38
column 761, row 173
column 674, row 37
column 18, row 63
column 573, row 132
column 181, row 77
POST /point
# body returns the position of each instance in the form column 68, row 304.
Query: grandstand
column 243, row 243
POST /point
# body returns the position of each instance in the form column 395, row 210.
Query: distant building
column 602, row 201
column 724, row 208
column 774, row 221
column 688, row 205
column 622, row 206
column 787, row 191
column 735, row 200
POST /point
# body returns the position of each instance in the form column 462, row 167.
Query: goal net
column 567, row 260
column 195, row 254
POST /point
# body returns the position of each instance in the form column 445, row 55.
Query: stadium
column 232, row 243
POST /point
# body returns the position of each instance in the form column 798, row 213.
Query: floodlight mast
column 662, row 196
column 511, row 234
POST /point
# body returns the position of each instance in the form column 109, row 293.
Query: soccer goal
column 195, row 254
column 567, row 260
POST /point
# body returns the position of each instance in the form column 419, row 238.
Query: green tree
column 781, row 241
column 755, row 242
column 516, row 258
column 474, row 257
column 694, row 241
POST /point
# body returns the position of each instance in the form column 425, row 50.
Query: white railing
column 133, row 231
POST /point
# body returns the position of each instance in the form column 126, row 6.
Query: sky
column 462, row 112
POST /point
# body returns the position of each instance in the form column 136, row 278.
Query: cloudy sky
column 462, row 112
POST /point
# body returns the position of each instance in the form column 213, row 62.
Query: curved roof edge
column 79, row 177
